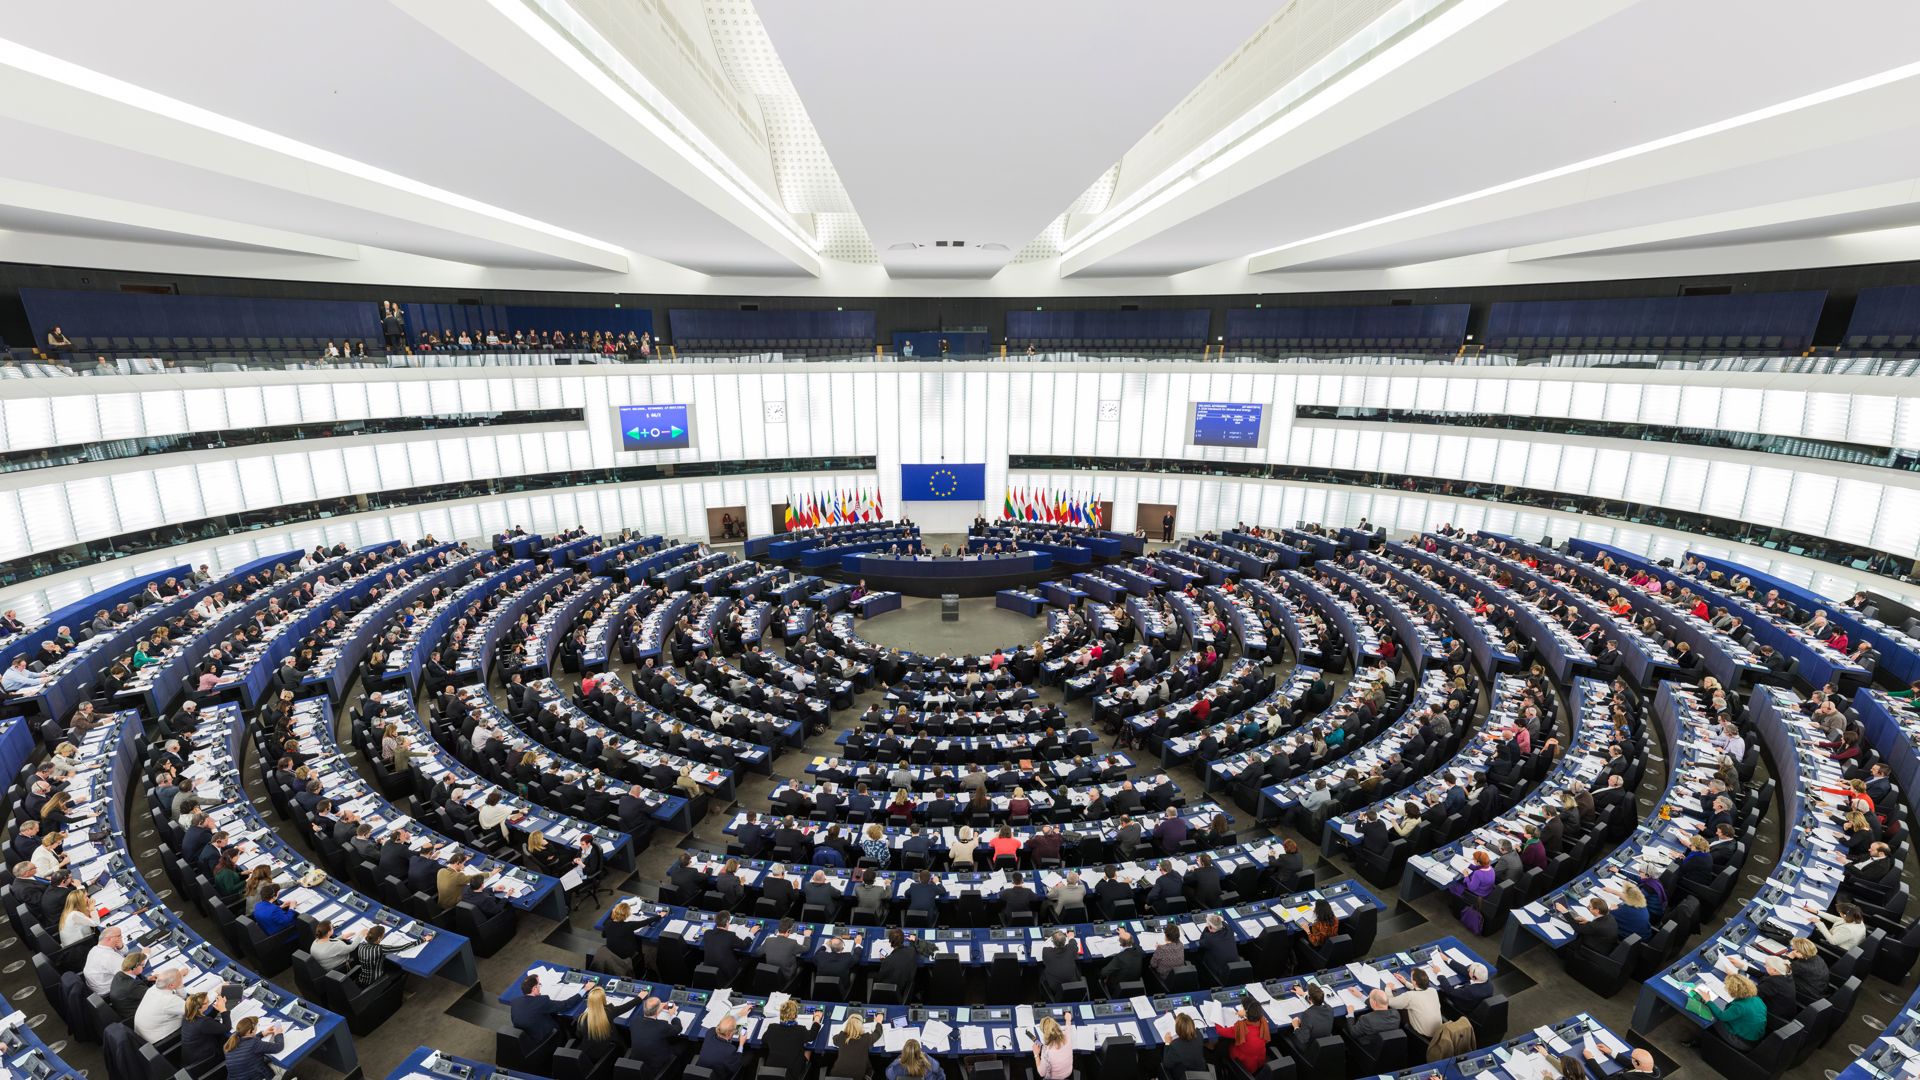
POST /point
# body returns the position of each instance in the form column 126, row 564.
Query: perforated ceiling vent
column 804, row 174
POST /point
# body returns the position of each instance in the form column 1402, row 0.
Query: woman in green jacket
column 1742, row 1021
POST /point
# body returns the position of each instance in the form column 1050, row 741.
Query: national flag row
column 1052, row 507
column 816, row 508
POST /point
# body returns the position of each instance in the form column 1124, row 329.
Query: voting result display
column 1225, row 423
column 655, row 427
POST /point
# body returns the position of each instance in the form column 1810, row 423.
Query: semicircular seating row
column 522, row 814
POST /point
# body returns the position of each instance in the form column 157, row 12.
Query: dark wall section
column 907, row 314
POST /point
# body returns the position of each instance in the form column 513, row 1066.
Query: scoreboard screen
column 654, row 427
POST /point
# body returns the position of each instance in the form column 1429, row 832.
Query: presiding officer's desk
column 969, row 575
column 1808, row 871
column 1659, row 840
column 215, row 760
column 945, row 1030
column 98, row 856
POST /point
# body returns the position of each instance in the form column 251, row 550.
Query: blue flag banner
column 943, row 483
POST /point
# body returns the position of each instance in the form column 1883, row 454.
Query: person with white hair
column 1469, row 995
column 163, row 1008
column 1217, row 950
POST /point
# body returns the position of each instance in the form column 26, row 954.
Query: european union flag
column 943, row 483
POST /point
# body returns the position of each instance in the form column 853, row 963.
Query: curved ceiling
column 872, row 147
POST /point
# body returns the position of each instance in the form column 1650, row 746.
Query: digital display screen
column 1224, row 423
column 654, row 427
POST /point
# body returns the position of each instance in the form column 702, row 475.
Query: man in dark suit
column 1216, row 950
column 1469, row 995
column 1873, row 869
column 721, row 948
column 687, row 878
column 819, row 892
column 837, row 960
column 900, row 965
column 535, row 1014
column 1367, row 1028
column 1166, row 890
column 1596, row 931
column 1127, row 965
column 1316, row 1021
column 925, row 893
column 1374, row 836
column 1111, row 890
column 751, row 836
column 1204, row 883
column 1017, row 897
column 1059, row 964
column 655, row 1037
column 395, row 856
column 129, row 986
column 1171, row 834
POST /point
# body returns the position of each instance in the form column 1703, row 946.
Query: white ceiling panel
column 980, row 122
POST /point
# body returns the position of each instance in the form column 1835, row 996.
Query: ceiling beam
column 1461, row 46
column 510, row 38
column 26, row 195
column 35, row 87
column 1856, row 110
column 1705, row 226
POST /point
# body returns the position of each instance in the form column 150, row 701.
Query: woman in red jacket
column 1248, row 1033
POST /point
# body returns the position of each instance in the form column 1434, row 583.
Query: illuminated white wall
column 672, row 508
column 955, row 413
column 1210, row 504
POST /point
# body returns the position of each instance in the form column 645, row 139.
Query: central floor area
column 981, row 628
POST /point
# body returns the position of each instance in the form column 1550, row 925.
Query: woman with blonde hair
column 47, row 858
column 1631, row 913
column 874, row 846
column 960, row 852
column 78, row 923
column 1052, row 1052
column 62, row 764
column 914, row 1064
column 855, row 1041
column 1742, row 1020
column 1018, row 805
column 785, row 1043
column 900, row 808
column 596, row 1024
